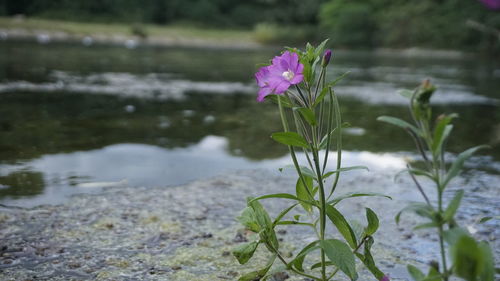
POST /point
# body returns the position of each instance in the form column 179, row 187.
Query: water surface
column 74, row 119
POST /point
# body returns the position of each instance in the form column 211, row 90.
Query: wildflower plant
column 310, row 115
column 471, row 260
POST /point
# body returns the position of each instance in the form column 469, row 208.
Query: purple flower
column 492, row 4
column 326, row 57
column 385, row 278
column 286, row 70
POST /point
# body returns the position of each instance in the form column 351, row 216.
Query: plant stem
column 280, row 257
column 441, row 234
column 339, row 140
column 292, row 150
column 322, row 201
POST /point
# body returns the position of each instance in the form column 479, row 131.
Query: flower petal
column 297, row 79
column 282, row 87
column 294, row 62
column 263, row 92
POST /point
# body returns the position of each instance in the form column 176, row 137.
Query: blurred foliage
column 370, row 23
column 269, row 33
column 423, row 23
column 222, row 13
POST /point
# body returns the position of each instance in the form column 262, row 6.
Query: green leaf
column 244, row 252
column 257, row 275
column 285, row 101
column 452, row 208
column 467, row 258
column 342, row 225
column 341, row 256
column 459, row 163
column 321, row 47
column 303, row 169
column 284, row 196
column 416, row 172
column 302, row 192
column 426, row 225
column 373, row 222
column 299, row 259
column 406, row 93
column 261, row 215
column 321, row 96
column 433, row 275
column 307, row 114
column 351, row 195
column 318, row 265
column 488, row 272
column 249, row 219
column 452, row 235
column 485, row 219
column 267, row 234
column 400, row 123
column 334, row 82
column 290, row 138
column 441, row 132
column 368, row 261
column 415, row 273
column 345, row 169
column 418, row 208
column 324, row 141
column 294, row 223
column 283, row 213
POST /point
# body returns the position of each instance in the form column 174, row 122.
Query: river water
column 76, row 119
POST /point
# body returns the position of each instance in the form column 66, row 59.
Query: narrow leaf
column 418, row 208
column 283, row 213
column 373, row 222
column 282, row 195
column 249, row 219
column 299, row 259
column 368, row 261
column 459, row 163
column 244, row 252
column 400, row 123
column 351, row 195
column 345, row 169
column 308, row 115
column 415, row 273
column 285, row 101
column 426, row 225
column 342, row 225
column 467, row 258
column 290, row 138
column 406, row 93
column 334, row 82
column 488, row 271
column 257, row 275
column 341, row 256
column 452, row 208
column 303, row 192
column 318, row 265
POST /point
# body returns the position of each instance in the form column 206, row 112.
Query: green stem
column 339, row 140
column 292, row 150
column 280, row 257
column 441, row 235
column 322, row 200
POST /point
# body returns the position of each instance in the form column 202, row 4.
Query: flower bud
column 385, row 278
column 326, row 57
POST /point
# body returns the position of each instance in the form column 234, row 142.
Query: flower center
column 288, row 75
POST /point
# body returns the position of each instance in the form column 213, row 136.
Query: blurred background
column 161, row 92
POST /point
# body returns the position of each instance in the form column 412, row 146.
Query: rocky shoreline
column 187, row 232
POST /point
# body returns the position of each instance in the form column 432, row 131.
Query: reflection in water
column 71, row 115
column 146, row 165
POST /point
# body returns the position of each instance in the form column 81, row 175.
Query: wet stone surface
column 187, row 232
